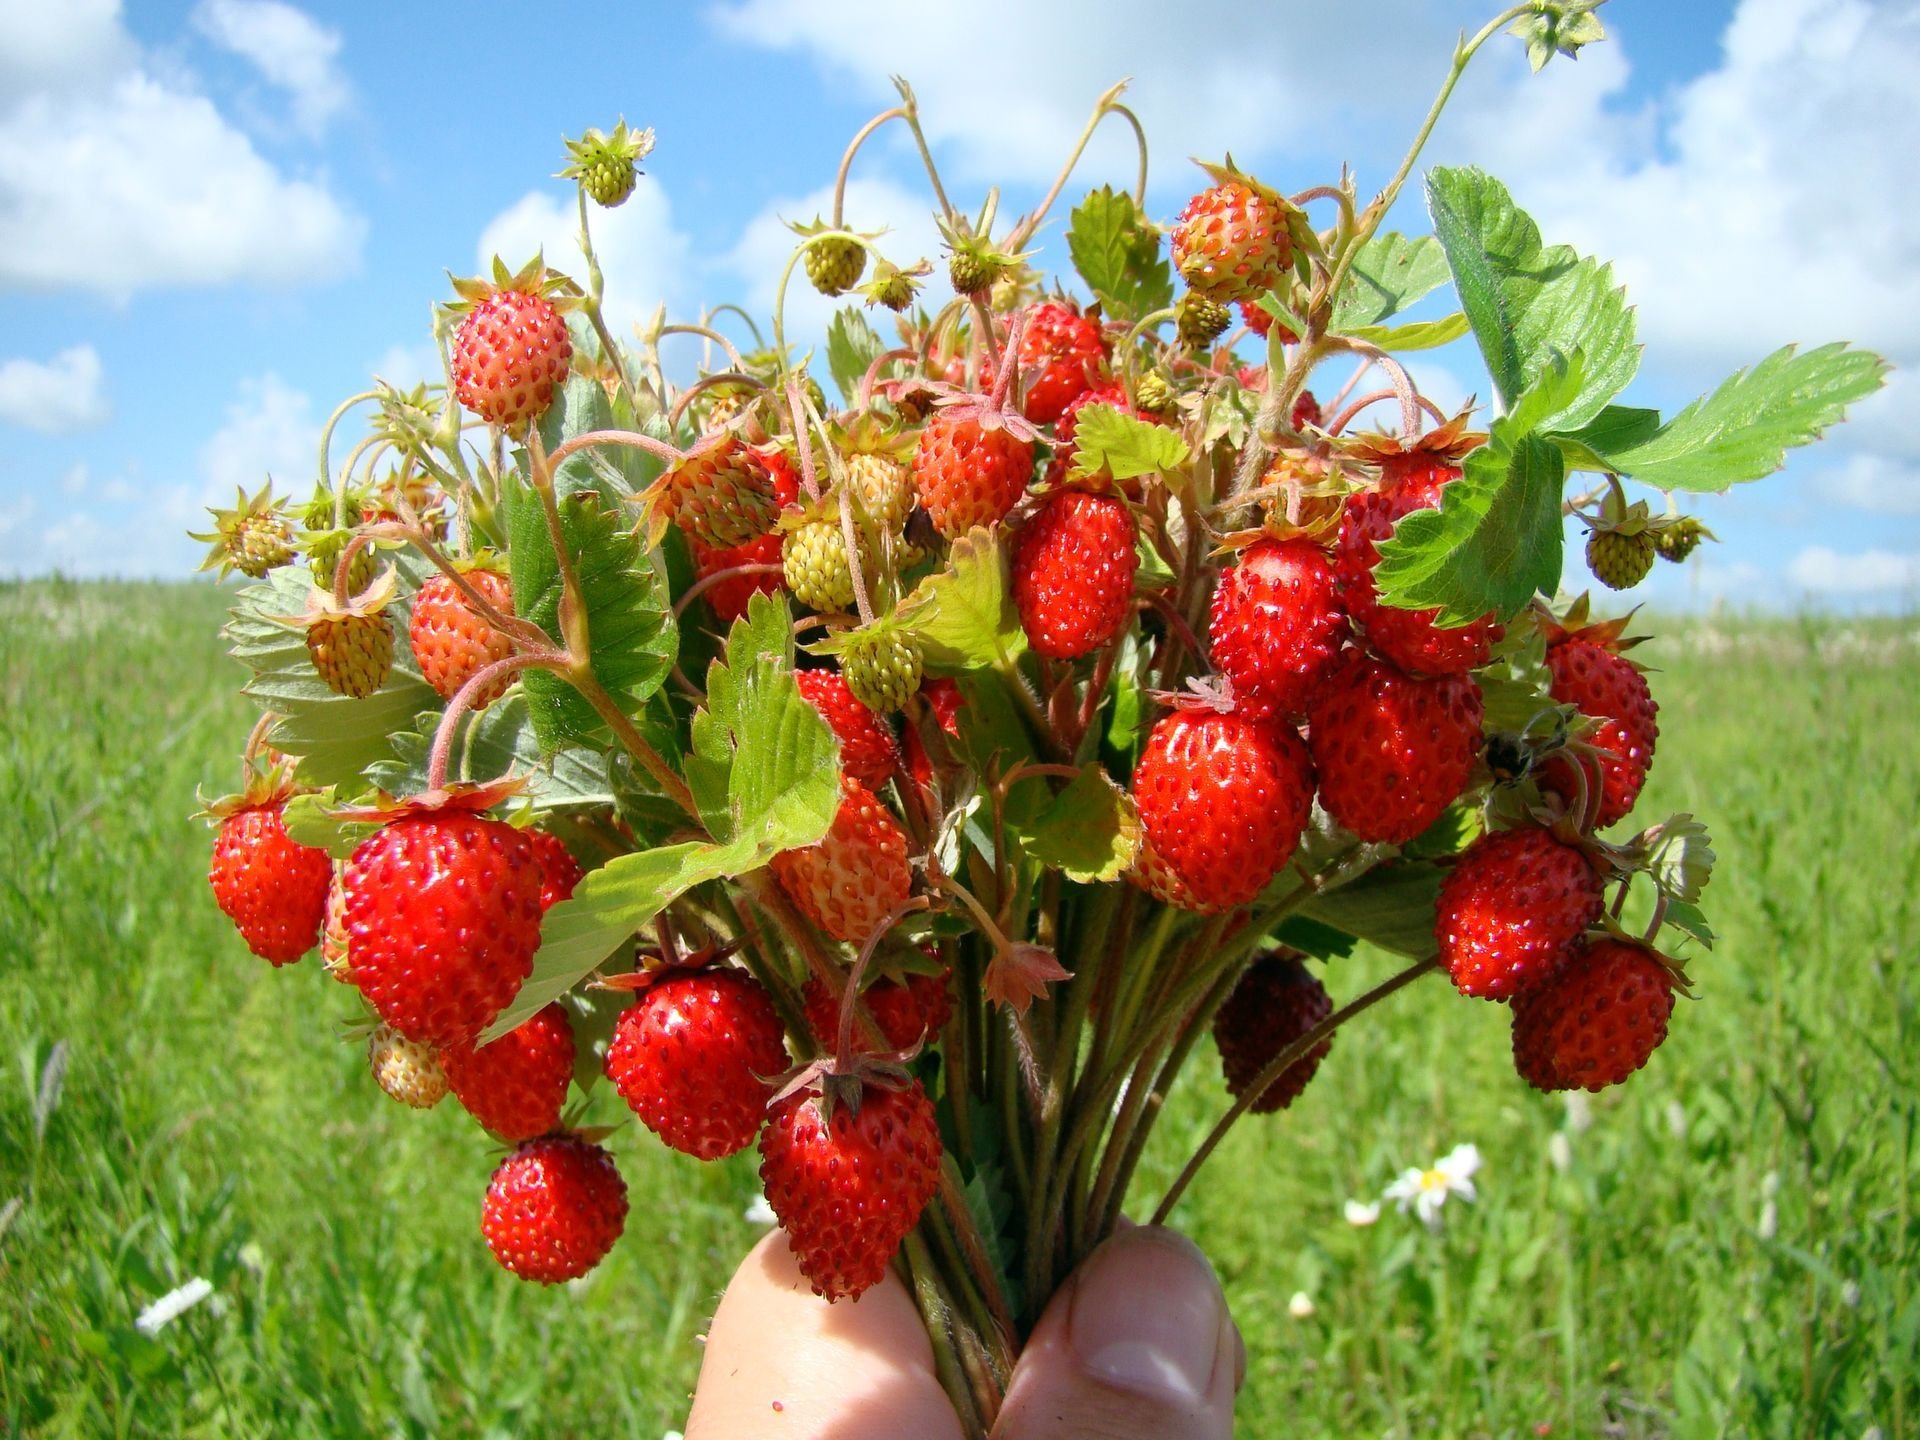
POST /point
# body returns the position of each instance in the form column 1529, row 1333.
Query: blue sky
column 218, row 216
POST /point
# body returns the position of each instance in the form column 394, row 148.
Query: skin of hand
column 1137, row 1345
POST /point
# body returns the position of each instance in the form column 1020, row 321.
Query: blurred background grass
column 1726, row 1246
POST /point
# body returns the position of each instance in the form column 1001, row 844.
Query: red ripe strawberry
column 1276, row 1002
column 1261, row 323
column 1073, row 566
column 694, row 1057
column 1231, row 243
column 848, row 1190
column 1223, row 799
column 867, row 749
column 273, row 889
column 1512, row 909
column 1306, row 411
column 1596, row 1022
column 1061, row 355
column 905, row 1010
column 559, row 871
column 1590, row 675
column 1393, row 751
column 509, row 355
column 450, row 640
column 968, row 472
column 554, row 1208
column 516, row 1085
column 857, row 875
column 1408, row 638
column 1278, row 626
column 443, row 917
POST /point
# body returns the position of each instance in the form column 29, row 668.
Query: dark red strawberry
column 1278, row 626
column 1596, row 1022
column 1591, row 674
column 554, row 1208
column 1393, row 751
column 1073, row 566
column 1276, row 1003
column 906, row 1010
column 1511, row 911
column 516, row 1086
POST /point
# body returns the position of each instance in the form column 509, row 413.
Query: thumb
column 1137, row 1345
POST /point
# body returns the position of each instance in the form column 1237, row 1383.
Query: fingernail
column 1146, row 1316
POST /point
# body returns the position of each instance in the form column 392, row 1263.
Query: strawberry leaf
column 1117, row 252
column 1529, row 302
column 765, row 768
column 1421, row 335
column 1743, row 430
column 1496, row 538
column 308, row 822
column 336, row 738
column 1617, row 427
column 963, row 615
column 1105, row 441
column 1089, row 832
column 1391, row 907
column 852, row 347
column 496, row 741
column 1388, row 275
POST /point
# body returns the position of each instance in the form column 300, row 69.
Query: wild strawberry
column 848, row 1189
column 559, row 871
column 1512, row 909
column 1231, row 242
column 1064, row 428
column 1393, row 751
column 1409, row 638
column 554, row 1208
column 815, row 564
column 443, row 917
column 1277, row 625
column 1199, row 321
column 1276, row 1003
column 512, row 350
column 867, row 749
column 694, row 1057
column 1596, row 1022
column 968, row 470
column 1256, row 319
column 1156, row 877
column 723, row 494
column 1061, row 356
column 605, row 164
column 729, row 598
column 410, row 1073
column 1618, row 559
column 1073, row 565
column 351, row 645
column 252, row 538
column 1223, row 799
column 333, row 930
column 272, row 888
column 1154, row 394
column 881, row 664
column 835, row 264
column 1590, row 674
column 450, row 639
column 906, row 1010
column 1678, row 539
column 884, row 487
column 856, row 875
column 1306, row 411
column 516, row 1086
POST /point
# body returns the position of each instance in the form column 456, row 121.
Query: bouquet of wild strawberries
column 906, row 786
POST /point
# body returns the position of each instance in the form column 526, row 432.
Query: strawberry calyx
column 1445, row 445
column 1573, row 624
column 461, row 797
column 831, row 1083
column 532, row 278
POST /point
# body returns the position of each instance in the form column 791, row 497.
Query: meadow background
column 1727, row 1246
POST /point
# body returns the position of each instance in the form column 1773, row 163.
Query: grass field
column 1727, row 1246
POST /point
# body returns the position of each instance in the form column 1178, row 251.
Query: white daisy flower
column 1427, row 1190
column 1360, row 1212
column 171, row 1306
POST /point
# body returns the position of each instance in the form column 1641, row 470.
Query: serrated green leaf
column 765, row 769
column 607, row 907
column 1089, row 832
column 335, row 737
column 630, row 623
column 1496, row 539
column 963, row 614
column 1310, row 937
column 1389, row 274
column 852, row 347
column 1421, row 335
column 497, row 741
column 1391, row 907
column 1105, row 441
column 1117, row 252
column 1529, row 302
column 308, row 822
column 1743, row 430
column 1689, row 920
column 1618, row 427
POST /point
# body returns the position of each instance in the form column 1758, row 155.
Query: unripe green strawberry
column 1201, row 321
column 835, row 264
column 1680, row 539
column 971, row 273
column 814, row 563
column 1620, row 560
column 881, row 667
column 253, row 537
column 1154, row 393
column 352, row 653
column 605, row 165
column 407, row 1070
column 883, row 486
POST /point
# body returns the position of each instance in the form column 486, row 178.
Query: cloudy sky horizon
column 217, row 217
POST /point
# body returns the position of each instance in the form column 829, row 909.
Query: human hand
column 1137, row 1345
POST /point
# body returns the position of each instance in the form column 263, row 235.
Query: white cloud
column 115, row 176
column 293, row 51
column 405, row 366
column 644, row 258
column 56, row 396
column 1826, row 571
column 75, row 479
column 1875, row 483
column 269, row 429
column 1288, row 70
